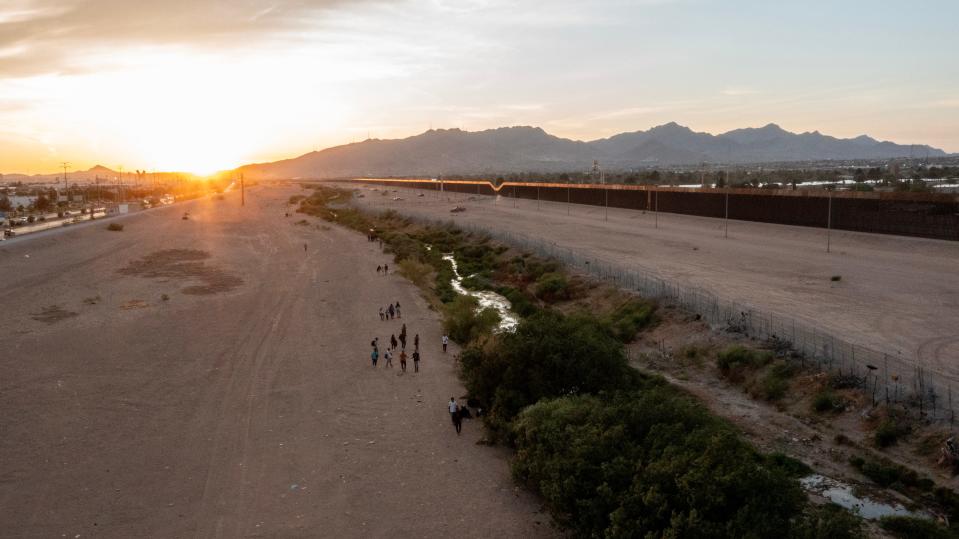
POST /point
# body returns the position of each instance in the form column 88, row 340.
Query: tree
column 5, row 204
column 42, row 203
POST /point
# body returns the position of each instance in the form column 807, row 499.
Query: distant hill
column 518, row 149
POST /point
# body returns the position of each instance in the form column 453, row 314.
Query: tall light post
column 65, row 164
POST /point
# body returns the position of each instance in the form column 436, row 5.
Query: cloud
column 48, row 36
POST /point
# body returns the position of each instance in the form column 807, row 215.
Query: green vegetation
column 915, row 528
column 549, row 355
column 613, row 453
column 552, row 286
column 735, row 360
column 631, row 317
column 463, row 324
column 826, row 401
column 649, row 462
column 886, row 473
column 890, row 430
column 827, row 522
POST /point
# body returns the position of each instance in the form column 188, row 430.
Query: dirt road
column 210, row 377
column 897, row 295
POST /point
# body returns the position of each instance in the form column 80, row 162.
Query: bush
column 915, row 528
column 650, row 463
column 775, row 383
column 552, row 287
column 417, row 272
column 463, row 324
column 886, row 473
column 115, row 227
column 826, row 401
column 628, row 319
column 889, row 431
column 827, row 522
column 549, row 355
column 736, row 359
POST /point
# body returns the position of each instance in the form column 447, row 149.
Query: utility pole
column 242, row 191
column 64, row 164
column 726, row 220
column 829, row 224
column 656, row 210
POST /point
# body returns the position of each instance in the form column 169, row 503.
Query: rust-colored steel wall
column 927, row 215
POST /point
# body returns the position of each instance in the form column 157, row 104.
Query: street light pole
column 726, row 220
column 829, row 224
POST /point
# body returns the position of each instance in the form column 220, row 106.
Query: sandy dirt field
column 243, row 404
column 897, row 295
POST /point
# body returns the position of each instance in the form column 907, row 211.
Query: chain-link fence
column 887, row 378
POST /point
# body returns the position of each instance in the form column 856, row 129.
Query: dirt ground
column 896, row 295
column 211, row 378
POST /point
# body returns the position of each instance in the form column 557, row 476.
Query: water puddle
column 487, row 299
column 842, row 494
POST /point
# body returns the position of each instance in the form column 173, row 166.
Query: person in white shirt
column 446, row 340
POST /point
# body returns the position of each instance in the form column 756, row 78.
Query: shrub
column 519, row 303
column 886, row 473
column 552, row 287
column 790, row 466
column 417, row 272
column 914, row 528
column 826, row 401
column 115, row 227
column 828, row 521
column 774, row 384
column 889, row 431
column 650, row 463
column 463, row 324
column 549, row 355
column 836, row 278
column 628, row 319
column 736, row 359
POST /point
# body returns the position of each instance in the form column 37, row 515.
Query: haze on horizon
column 202, row 85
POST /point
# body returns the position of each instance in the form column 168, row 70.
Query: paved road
column 896, row 294
column 244, row 404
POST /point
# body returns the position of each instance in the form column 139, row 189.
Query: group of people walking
column 395, row 344
column 385, row 268
column 390, row 312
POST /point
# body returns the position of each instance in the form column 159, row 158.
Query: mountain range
column 521, row 149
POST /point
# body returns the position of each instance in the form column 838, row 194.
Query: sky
column 205, row 85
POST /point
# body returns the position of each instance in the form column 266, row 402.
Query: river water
column 487, row 299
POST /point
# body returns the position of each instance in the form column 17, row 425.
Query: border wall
column 925, row 215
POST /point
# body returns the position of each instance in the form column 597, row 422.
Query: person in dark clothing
column 393, row 342
column 416, row 361
column 403, row 340
column 416, row 342
column 391, row 311
column 455, row 415
column 403, row 360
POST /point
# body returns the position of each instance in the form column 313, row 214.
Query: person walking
column 446, row 340
column 392, row 342
column 381, row 314
column 416, row 361
column 386, row 269
column 388, row 356
column 398, row 314
column 391, row 311
column 416, row 342
column 455, row 415
column 403, row 360
column 375, row 355
column 379, row 269
column 403, row 340
column 304, row 247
